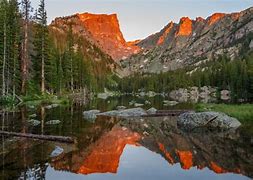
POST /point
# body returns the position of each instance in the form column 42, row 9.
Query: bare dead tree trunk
column 4, row 61
column 42, row 113
column 43, row 66
column 14, row 77
column 24, row 55
column 63, row 139
column 72, row 78
column 61, row 74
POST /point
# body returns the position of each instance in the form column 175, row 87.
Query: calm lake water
column 113, row 148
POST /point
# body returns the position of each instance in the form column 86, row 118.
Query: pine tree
column 10, row 31
column 25, row 57
column 41, row 45
column 14, row 20
column 70, row 56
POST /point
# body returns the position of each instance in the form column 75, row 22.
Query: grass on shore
column 243, row 112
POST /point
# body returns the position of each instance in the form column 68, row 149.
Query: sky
column 141, row 18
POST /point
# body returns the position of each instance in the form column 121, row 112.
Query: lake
column 114, row 148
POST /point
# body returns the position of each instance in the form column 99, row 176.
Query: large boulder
column 134, row 112
column 208, row 119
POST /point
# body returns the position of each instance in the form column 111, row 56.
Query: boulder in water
column 34, row 122
column 92, row 114
column 56, row 152
column 134, row 112
column 152, row 111
column 120, row 107
column 138, row 105
column 208, row 119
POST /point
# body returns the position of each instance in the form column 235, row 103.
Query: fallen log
column 62, row 139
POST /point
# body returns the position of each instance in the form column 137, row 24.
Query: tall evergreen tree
column 25, row 57
column 41, row 45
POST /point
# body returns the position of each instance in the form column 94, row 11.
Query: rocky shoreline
column 188, row 120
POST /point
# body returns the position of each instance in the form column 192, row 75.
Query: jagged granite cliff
column 101, row 30
column 193, row 42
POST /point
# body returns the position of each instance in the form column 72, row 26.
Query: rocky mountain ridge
column 190, row 43
column 100, row 29
column 193, row 42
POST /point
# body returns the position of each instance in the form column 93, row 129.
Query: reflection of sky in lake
column 138, row 163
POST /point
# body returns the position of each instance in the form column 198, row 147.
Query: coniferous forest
column 235, row 76
column 121, row 96
column 36, row 60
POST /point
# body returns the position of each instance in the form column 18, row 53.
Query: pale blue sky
column 140, row 18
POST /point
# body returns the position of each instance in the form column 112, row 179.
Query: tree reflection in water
column 101, row 143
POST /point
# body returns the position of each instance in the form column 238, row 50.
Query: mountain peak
column 103, row 30
column 215, row 18
column 168, row 29
column 200, row 19
column 185, row 27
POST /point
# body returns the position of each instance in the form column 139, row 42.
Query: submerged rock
column 51, row 106
column 57, row 151
column 134, row 112
column 151, row 94
column 152, row 111
column 147, row 102
column 34, row 122
column 92, row 114
column 33, row 115
column 53, row 122
column 132, row 102
column 138, row 105
column 170, row 103
column 120, row 107
column 208, row 119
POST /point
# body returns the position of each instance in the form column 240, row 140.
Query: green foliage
column 10, row 47
column 7, row 101
column 242, row 112
column 60, row 62
column 236, row 76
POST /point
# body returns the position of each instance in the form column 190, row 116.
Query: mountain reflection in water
column 150, row 148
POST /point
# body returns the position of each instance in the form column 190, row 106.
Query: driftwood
column 211, row 120
column 40, row 137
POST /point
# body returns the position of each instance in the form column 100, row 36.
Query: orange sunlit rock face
column 105, row 30
column 105, row 155
column 185, row 27
column 185, row 158
column 164, row 35
column 235, row 16
column 200, row 19
column 217, row 169
column 133, row 43
column 167, row 154
column 215, row 18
